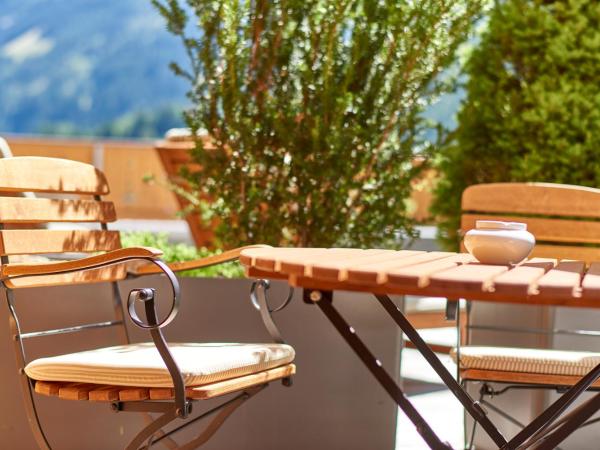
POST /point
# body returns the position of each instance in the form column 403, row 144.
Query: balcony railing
column 124, row 160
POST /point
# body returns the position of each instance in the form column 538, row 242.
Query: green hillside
column 87, row 66
column 96, row 67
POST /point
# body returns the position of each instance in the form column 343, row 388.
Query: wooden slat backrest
column 71, row 192
column 546, row 229
column 564, row 219
column 43, row 210
column 533, row 198
column 30, row 242
column 38, row 174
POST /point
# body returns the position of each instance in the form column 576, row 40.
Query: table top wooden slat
column 249, row 259
column 468, row 277
column 562, row 281
column 270, row 260
column 419, row 274
column 377, row 272
column 523, row 279
column 338, row 270
column 302, row 264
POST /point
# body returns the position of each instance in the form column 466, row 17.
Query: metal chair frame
column 180, row 407
column 487, row 390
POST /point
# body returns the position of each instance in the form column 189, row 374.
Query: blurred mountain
column 87, row 67
column 98, row 67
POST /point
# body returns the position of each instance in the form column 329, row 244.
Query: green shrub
column 181, row 252
column 314, row 107
column 532, row 111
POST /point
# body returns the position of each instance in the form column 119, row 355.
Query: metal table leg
column 544, row 432
column 324, row 299
column 539, row 429
column 473, row 407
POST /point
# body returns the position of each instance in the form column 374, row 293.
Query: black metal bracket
column 312, row 296
column 147, row 296
column 260, row 301
column 147, row 406
column 451, row 309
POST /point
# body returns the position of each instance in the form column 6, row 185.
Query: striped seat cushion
column 141, row 364
column 528, row 360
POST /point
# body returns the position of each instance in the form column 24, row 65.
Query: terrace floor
column 432, row 399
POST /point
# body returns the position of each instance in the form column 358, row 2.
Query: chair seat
column 526, row 360
column 141, row 364
column 108, row 393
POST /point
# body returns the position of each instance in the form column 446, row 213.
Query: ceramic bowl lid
column 499, row 225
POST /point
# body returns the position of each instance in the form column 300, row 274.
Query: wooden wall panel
column 124, row 162
column 126, row 166
column 75, row 149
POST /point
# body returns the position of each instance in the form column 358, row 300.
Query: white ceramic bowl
column 495, row 242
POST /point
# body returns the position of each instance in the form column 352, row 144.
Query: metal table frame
column 545, row 432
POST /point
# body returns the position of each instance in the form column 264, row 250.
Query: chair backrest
column 68, row 192
column 5, row 151
column 65, row 192
column 563, row 218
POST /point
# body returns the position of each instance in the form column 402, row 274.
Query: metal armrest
column 145, row 295
column 226, row 256
column 120, row 256
column 114, row 257
column 258, row 297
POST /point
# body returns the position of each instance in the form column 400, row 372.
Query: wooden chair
column 564, row 220
column 153, row 377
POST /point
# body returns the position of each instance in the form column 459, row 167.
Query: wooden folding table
column 320, row 272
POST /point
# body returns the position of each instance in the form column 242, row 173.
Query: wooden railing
column 175, row 153
column 126, row 162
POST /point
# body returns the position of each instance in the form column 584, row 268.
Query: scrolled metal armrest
column 16, row 272
column 207, row 261
column 258, row 297
column 147, row 295
column 153, row 325
column 91, row 262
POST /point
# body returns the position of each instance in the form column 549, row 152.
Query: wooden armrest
column 226, row 256
column 115, row 256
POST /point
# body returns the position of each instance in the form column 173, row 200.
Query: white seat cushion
column 141, row 364
column 550, row 362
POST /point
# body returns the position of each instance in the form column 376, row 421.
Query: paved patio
column 431, row 398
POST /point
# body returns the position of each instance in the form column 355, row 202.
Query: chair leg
column 223, row 412
column 149, row 430
column 32, row 414
column 469, row 444
column 218, row 421
column 167, row 441
column 25, row 382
